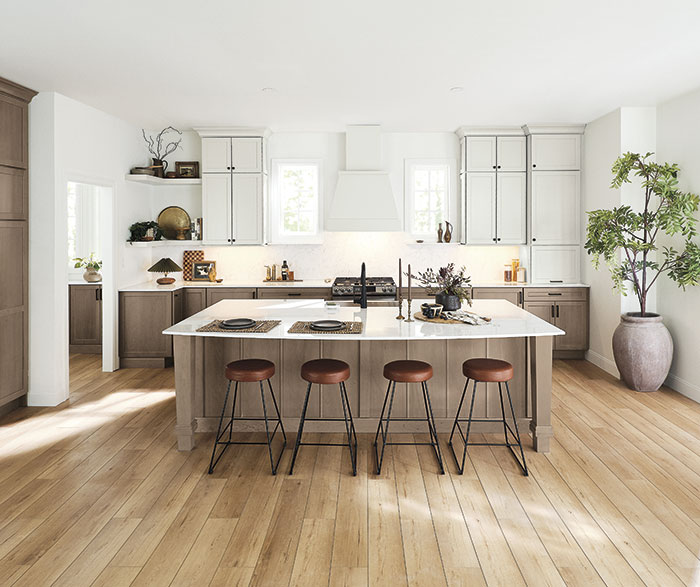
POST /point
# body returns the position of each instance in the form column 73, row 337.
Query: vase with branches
column 450, row 286
column 627, row 241
column 160, row 147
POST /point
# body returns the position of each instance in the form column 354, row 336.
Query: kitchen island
column 513, row 334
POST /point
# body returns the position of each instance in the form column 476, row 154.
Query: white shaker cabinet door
column 556, row 207
column 553, row 265
column 481, row 208
column 246, row 155
column 247, row 209
column 511, row 154
column 481, row 153
column 216, row 208
column 511, row 208
column 556, row 152
column 216, row 155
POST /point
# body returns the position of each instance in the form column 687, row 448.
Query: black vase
column 448, row 302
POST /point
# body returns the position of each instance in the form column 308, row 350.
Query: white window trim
column 409, row 168
column 273, row 205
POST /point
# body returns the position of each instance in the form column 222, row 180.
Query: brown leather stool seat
column 488, row 370
column 408, row 371
column 325, row 371
column 250, row 370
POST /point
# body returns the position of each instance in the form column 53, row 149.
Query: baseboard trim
column 603, row 362
column 43, row 400
column 143, row 363
column 686, row 388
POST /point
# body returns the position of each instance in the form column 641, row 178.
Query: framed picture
column 187, row 169
column 201, row 269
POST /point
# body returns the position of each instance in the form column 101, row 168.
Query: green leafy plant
column 447, row 280
column 139, row 230
column 88, row 262
column 667, row 210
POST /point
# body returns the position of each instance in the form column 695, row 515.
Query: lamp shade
column 165, row 265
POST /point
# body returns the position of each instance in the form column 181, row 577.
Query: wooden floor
column 94, row 493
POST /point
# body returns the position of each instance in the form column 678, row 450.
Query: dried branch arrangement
column 158, row 145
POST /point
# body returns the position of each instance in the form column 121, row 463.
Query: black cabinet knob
column 534, row 165
column 533, row 239
column 232, row 168
column 494, row 240
column 228, row 168
column 499, row 239
column 499, row 167
column 494, row 167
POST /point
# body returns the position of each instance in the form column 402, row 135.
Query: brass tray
column 172, row 219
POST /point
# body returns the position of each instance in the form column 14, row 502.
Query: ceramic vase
column 92, row 276
column 448, row 302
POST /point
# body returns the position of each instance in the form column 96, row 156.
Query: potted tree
column 627, row 241
column 450, row 287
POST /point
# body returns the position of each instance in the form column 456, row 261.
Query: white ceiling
column 333, row 63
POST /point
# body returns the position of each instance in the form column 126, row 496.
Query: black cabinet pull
column 552, row 310
column 293, row 294
column 97, row 294
column 557, row 310
column 553, row 293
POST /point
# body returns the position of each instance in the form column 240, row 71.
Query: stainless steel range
column 350, row 288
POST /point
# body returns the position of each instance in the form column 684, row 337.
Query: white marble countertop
column 153, row 286
column 83, row 282
column 508, row 321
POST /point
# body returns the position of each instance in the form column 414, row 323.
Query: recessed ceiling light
column 268, row 90
column 456, row 89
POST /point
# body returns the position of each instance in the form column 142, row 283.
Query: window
column 83, row 224
column 295, row 206
column 427, row 196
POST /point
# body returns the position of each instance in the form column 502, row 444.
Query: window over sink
column 428, row 193
column 295, row 201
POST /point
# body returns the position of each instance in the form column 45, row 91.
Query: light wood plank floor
column 93, row 492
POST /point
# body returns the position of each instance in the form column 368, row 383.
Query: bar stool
column 327, row 372
column 248, row 371
column 487, row 371
column 407, row 372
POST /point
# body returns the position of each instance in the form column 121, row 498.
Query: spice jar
column 507, row 273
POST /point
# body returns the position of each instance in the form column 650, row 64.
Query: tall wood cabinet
column 14, row 243
column 85, row 318
column 233, row 180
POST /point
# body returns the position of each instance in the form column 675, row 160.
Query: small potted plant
column 626, row 239
column 92, row 268
column 450, row 287
column 144, row 231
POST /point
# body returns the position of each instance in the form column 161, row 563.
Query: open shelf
column 151, row 180
column 165, row 243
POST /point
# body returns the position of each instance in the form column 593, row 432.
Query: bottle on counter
column 507, row 273
column 521, row 274
column 285, row 271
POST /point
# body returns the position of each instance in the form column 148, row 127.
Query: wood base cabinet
column 85, row 318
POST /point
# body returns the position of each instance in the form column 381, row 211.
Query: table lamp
column 165, row 266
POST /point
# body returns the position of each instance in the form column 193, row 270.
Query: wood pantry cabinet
column 85, row 318
column 232, row 190
column 14, row 243
column 566, row 308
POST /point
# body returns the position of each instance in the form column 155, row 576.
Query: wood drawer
column 306, row 293
column 556, row 293
column 512, row 294
column 216, row 294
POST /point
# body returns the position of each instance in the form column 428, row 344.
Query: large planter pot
column 448, row 302
column 643, row 349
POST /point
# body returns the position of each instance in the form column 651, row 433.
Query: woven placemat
column 305, row 328
column 260, row 327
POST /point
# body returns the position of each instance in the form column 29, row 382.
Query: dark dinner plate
column 327, row 325
column 237, row 323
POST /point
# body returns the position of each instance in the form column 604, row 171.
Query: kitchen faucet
column 363, row 287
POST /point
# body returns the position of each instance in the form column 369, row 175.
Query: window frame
column 274, row 204
column 410, row 166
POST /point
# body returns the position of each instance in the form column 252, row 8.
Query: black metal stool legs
column 349, row 428
column 229, row 426
column 456, row 427
column 383, row 426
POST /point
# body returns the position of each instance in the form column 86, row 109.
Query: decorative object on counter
column 285, row 270
column 187, row 169
column 400, row 316
column 173, row 222
column 440, row 232
column 198, row 230
column 212, row 275
column 451, row 286
column 508, row 273
column 165, row 265
column 201, row 269
column 515, row 264
column 642, row 345
column 144, row 231
column 521, row 274
column 170, row 175
column 431, row 310
column 290, row 276
column 410, row 296
column 305, row 328
column 448, row 232
column 143, row 171
column 160, row 148
column 260, row 327
column 420, row 241
column 92, row 268
column 189, row 257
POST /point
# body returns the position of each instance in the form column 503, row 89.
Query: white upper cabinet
column 216, row 208
column 481, row 208
column 481, row 153
column 511, row 154
column 248, row 209
column 246, row 155
column 556, row 152
column 216, row 155
column 237, row 155
column 552, row 265
column 556, row 207
column 511, row 208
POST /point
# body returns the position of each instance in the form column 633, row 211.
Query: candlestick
column 410, row 317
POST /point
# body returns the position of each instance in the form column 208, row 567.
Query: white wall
column 678, row 128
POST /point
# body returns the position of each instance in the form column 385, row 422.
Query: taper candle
column 399, row 273
column 409, row 282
